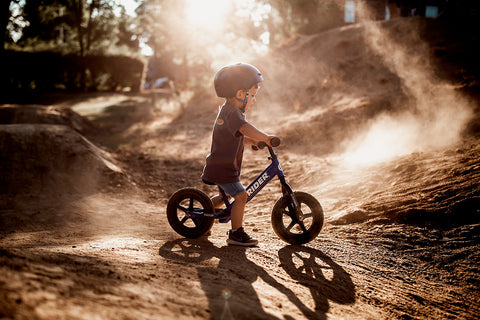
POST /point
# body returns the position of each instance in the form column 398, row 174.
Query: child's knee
column 241, row 197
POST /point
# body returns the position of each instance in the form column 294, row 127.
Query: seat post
column 223, row 194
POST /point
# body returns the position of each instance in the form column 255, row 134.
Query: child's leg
column 217, row 201
column 238, row 210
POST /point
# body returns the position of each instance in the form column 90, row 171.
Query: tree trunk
column 78, row 20
column 93, row 5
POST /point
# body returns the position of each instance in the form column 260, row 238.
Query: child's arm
column 250, row 142
column 253, row 135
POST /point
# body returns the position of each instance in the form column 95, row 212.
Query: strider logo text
column 257, row 183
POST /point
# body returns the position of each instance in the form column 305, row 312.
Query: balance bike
column 297, row 217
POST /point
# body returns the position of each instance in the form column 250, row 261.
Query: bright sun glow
column 207, row 15
column 203, row 23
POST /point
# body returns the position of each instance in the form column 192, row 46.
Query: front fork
column 293, row 205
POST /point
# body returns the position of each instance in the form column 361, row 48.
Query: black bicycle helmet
column 234, row 77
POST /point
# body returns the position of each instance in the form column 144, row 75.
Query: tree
column 74, row 26
column 180, row 44
column 5, row 17
column 160, row 30
column 306, row 16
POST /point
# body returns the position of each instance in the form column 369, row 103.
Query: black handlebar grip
column 275, row 142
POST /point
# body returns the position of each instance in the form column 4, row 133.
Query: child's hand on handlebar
column 273, row 141
column 269, row 140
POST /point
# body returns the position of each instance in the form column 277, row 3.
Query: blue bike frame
column 272, row 171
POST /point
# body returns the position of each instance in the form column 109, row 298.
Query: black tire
column 183, row 201
column 290, row 231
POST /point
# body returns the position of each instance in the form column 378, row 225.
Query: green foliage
column 29, row 72
column 4, row 18
column 95, row 27
column 76, row 26
column 307, row 16
column 164, row 26
column 182, row 51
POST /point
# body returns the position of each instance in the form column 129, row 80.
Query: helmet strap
column 244, row 101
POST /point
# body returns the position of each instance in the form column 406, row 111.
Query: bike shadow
column 227, row 277
column 326, row 280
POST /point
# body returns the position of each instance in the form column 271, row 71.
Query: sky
column 130, row 6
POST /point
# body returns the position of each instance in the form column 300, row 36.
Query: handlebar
column 275, row 142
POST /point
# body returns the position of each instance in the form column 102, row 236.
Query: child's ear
column 240, row 94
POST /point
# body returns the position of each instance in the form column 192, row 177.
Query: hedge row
column 48, row 71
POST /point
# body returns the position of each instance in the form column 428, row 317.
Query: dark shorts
column 233, row 189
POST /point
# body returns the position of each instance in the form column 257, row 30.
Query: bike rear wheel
column 288, row 227
column 184, row 212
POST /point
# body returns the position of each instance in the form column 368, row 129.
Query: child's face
column 252, row 92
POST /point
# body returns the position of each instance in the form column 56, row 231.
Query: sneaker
column 241, row 238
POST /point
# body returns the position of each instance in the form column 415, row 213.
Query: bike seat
column 208, row 182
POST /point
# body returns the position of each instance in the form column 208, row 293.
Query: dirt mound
column 331, row 88
column 50, row 159
column 434, row 190
column 367, row 60
column 44, row 152
column 321, row 69
column 16, row 114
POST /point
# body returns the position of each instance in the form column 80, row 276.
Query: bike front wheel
column 184, row 212
column 286, row 224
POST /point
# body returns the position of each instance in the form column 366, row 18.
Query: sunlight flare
column 207, row 15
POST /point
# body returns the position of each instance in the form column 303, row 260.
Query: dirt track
column 400, row 241
column 112, row 254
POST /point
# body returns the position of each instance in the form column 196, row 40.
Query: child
column 238, row 84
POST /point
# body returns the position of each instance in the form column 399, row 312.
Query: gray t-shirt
column 224, row 163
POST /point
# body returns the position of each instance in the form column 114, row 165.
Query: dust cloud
column 436, row 115
column 369, row 92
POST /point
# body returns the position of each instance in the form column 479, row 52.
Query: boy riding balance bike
column 297, row 217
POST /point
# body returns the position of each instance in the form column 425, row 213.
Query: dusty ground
column 88, row 239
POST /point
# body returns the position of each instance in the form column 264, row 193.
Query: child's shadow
column 227, row 279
